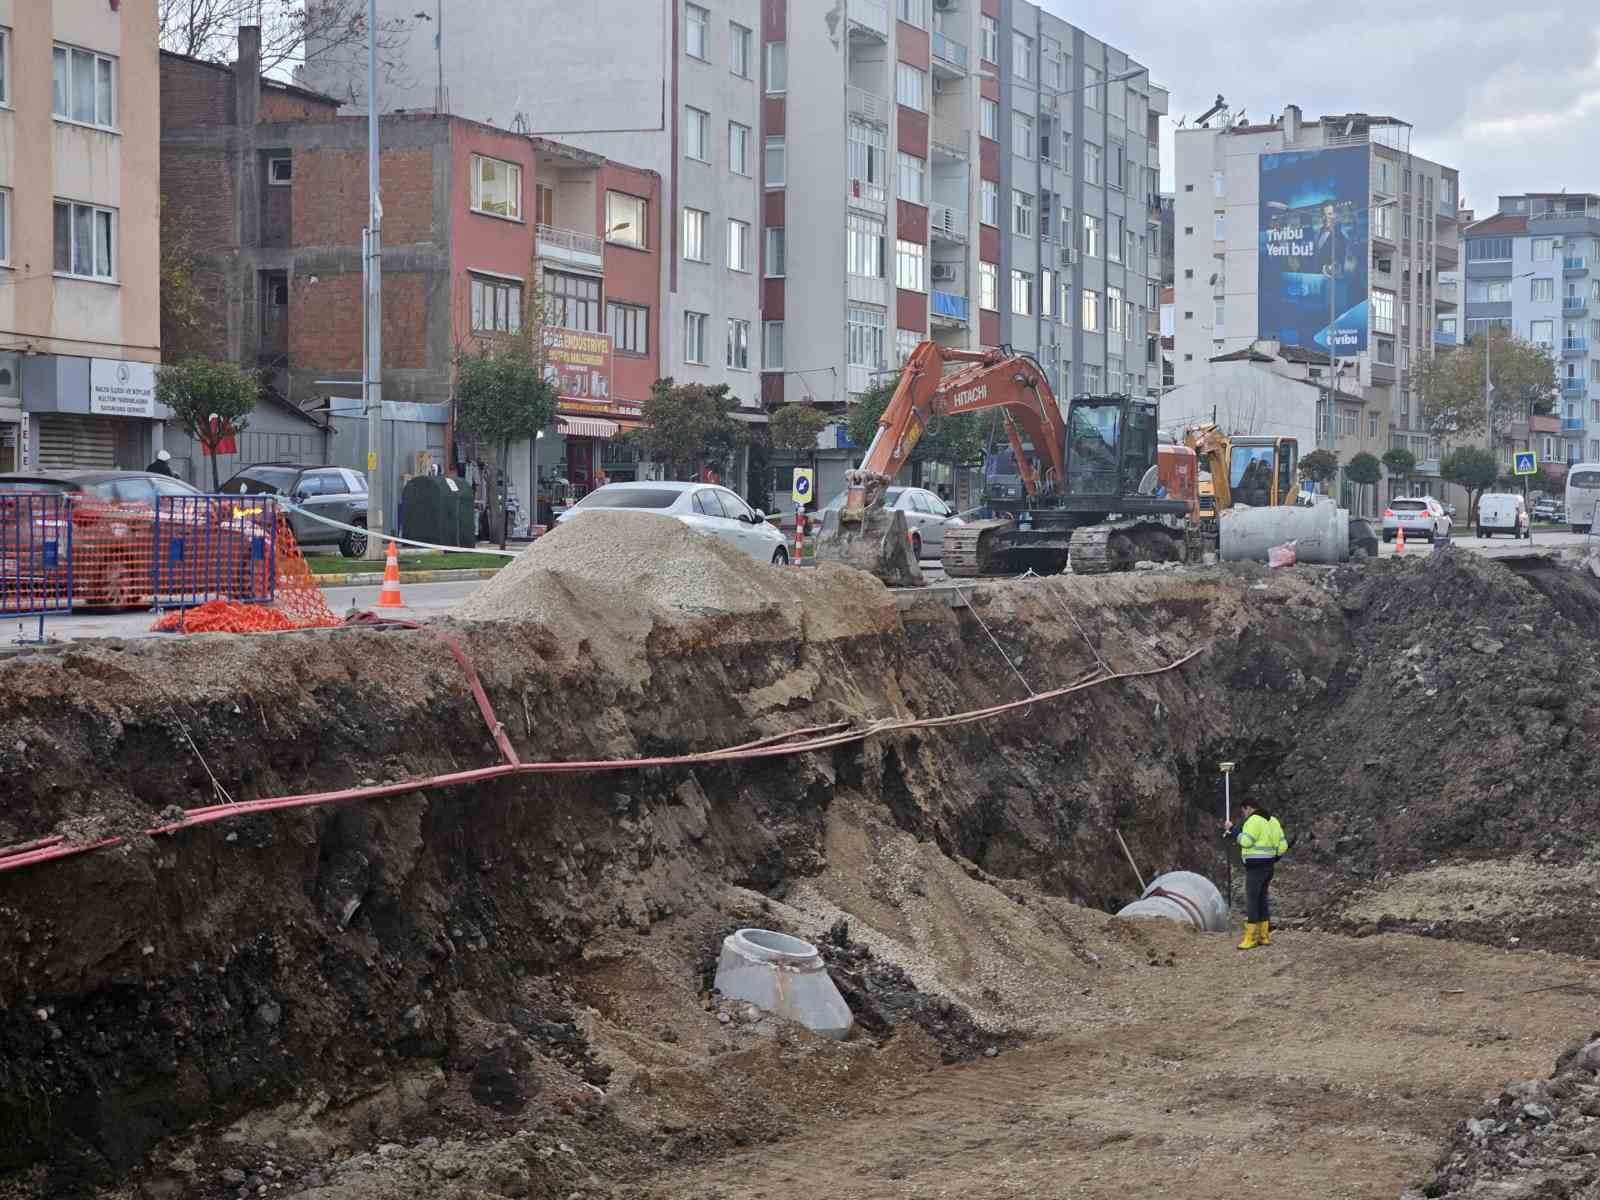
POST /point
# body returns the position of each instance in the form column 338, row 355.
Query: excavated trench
column 419, row 965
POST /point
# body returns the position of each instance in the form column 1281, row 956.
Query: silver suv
column 332, row 492
column 1419, row 516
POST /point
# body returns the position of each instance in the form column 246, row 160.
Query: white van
column 1502, row 512
column 1583, row 491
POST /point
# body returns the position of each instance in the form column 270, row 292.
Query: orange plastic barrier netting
column 297, row 599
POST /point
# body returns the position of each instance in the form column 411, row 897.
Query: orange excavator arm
column 981, row 380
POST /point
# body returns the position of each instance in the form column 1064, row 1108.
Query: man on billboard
column 1313, row 248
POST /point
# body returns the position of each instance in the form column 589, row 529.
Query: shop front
column 81, row 414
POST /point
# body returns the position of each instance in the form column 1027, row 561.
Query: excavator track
column 1117, row 545
column 969, row 550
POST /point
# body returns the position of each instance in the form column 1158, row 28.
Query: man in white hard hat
column 162, row 464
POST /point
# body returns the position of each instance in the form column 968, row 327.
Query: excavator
column 1100, row 486
column 1258, row 470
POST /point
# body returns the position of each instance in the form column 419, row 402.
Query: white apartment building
column 1410, row 212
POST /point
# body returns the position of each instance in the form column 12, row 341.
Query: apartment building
column 669, row 86
column 79, row 247
column 1534, row 269
column 1386, row 217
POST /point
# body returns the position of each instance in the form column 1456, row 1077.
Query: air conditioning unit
column 1069, row 256
column 945, row 272
column 944, row 6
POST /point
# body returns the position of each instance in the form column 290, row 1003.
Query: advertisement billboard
column 578, row 362
column 1313, row 235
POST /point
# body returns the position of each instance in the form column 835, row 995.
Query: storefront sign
column 119, row 388
column 578, row 362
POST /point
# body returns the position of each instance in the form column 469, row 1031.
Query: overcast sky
column 1507, row 93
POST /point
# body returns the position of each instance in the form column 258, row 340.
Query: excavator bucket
column 873, row 539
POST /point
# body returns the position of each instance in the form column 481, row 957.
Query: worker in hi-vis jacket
column 1261, row 844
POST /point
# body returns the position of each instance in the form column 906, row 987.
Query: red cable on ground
column 782, row 745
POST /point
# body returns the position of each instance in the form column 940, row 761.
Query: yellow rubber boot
column 1252, row 936
column 1265, row 938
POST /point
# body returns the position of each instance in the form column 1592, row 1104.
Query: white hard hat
column 163, row 456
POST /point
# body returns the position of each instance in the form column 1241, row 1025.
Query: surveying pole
column 1227, row 816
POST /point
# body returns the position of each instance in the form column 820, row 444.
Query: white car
column 927, row 516
column 1419, row 516
column 703, row 507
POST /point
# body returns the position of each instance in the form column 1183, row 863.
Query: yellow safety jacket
column 1261, row 839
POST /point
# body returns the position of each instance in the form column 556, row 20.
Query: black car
column 336, row 493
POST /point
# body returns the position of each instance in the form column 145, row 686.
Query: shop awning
column 590, row 427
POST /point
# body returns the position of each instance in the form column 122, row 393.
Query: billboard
column 1314, row 214
column 578, row 362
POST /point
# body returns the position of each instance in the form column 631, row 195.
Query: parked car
column 1502, row 512
column 113, row 540
column 332, row 492
column 1545, row 508
column 704, row 507
column 1419, row 516
column 927, row 516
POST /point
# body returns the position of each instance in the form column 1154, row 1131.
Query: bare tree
column 292, row 31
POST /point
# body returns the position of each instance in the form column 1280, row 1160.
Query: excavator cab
column 1111, row 444
column 1261, row 471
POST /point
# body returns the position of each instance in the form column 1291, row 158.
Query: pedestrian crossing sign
column 1524, row 462
column 804, row 481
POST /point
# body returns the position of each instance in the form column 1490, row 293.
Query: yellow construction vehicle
column 1256, row 470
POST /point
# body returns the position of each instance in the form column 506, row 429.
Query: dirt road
column 1321, row 1066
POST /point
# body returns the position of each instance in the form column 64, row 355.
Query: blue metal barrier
column 214, row 548
column 35, row 555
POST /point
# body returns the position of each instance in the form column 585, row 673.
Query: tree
column 1472, row 468
column 794, row 427
column 189, row 294
column 687, row 426
column 292, row 31
column 502, row 397
column 1319, row 466
column 1364, row 469
column 1450, row 386
column 957, row 440
column 1400, row 463
column 210, row 399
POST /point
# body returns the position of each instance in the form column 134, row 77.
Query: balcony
column 1443, row 337
column 949, row 54
column 1574, row 304
column 1447, row 209
column 870, row 16
column 1575, row 266
column 1572, row 425
column 867, row 196
column 1575, row 347
column 948, row 224
column 1574, row 385
column 866, row 289
column 869, row 106
column 1446, row 255
column 949, row 306
column 1445, row 293
column 571, row 248
column 950, row 137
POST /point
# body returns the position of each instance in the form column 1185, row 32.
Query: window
column 1383, row 312
column 1091, row 378
column 912, row 12
column 909, row 266
column 1055, row 67
column 697, row 134
column 913, row 178
column 5, row 49
column 496, row 305
column 772, row 346
column 777, row 164
column 1219, row 227
column 1022, row 135
column 777, row 67
column 1091, row 236
column 1115, row 370
column 739, row 56
column 738, row 344
column 544, row 204
column 496, row 187
column 5, row 226
column 694, row 337
column 1385, row 350
column 1542, row 289
column 1093, row 168
column 1066, row 151
column 1114, row 310
column 280, row 172
column 696, row 21
column 1118, row 164
column 1372, row 425
column 1021, row 213
column 1114, row 239
column 1218, row 312
column 1021, row 293
column 989, row 200
column 627, row 219
column 630, row 327
column 694, row 234
column 989, row 286
column 989, row 119
column 83, row 86
column 866, row 331
column 1484, row 249
column 868, row 159
column 738, row 148
column 1543, row 249
column 83, row 240
column 738, row 245
column 1065, row 307
column 1383, row 222
column 864, row 246
column 906, row 342
column 775, row 252
column 911, row 86
column 1542, row 333
column 572, row 301
column 1091, row 87
column 1090, row 316
column 989, row 30
column 1021, row 56
column 1047, row 293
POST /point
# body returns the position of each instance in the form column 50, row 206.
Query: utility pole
column 372, row 373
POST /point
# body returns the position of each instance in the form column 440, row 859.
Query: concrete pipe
column 782, row 975
column 1321, row 533
column 1184, row 897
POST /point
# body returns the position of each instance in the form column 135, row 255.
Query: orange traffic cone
column 389, row 597
column 1399, row 542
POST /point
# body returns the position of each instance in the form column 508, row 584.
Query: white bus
column 1583, row 494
